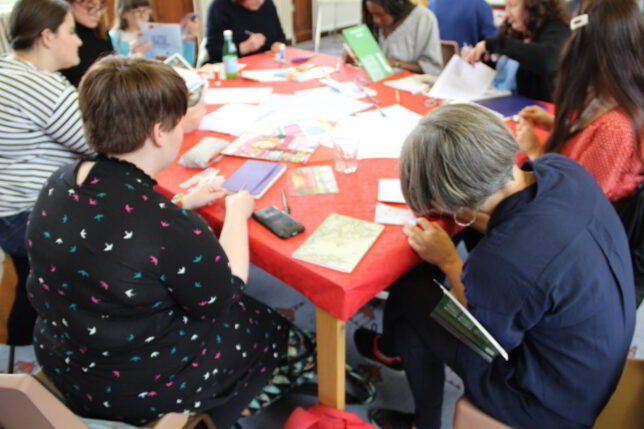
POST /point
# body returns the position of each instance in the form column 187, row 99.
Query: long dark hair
column 30, row 17
column 604, row 60
column 399, row 9
column 537, row 13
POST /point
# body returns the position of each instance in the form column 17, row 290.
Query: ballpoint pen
column 285, row 202
column 373, row 100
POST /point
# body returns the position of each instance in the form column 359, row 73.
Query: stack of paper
column 234, row 119
column 237, row 95
column 461, row 81
column 389, row 191
column 393, row 215
column 255, row 177
column 333, row 87
column 379, row 137
column 266, row 75
column 417, row 83
column 339, row 242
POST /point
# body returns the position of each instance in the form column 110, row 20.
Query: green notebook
column 368, row 52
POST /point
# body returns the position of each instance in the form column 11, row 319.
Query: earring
column 464, row 224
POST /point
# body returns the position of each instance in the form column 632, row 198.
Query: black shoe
column 366, row 342
column 383, row 418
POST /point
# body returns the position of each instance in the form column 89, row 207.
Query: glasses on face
column 92, row 6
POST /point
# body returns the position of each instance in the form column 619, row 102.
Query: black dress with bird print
column 139, row 313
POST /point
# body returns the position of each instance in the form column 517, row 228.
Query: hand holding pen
column 254, row 42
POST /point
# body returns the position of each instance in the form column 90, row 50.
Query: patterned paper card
column 314, row 180
column 339, row 242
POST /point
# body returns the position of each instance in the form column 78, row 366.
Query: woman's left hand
column 276, row 46
column 202, row 195
column 528, row 140
column 479, row 51
column 432, row 243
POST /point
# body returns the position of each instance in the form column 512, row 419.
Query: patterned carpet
column 392, row 390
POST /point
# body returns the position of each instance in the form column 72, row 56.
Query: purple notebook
column 255, row 177
column 509, row 105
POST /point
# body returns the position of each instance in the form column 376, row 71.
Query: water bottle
column 229, row 55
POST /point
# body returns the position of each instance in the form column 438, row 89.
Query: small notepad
column 339, row 242
column 255, row 177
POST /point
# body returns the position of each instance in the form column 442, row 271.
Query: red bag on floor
column 323, row 417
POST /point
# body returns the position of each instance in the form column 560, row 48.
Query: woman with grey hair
column 551, row 280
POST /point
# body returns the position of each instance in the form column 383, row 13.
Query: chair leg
column 12, row 355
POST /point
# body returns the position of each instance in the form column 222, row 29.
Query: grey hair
column 455, row 158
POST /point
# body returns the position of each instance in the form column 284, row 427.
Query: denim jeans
column 22, row 316
column 13, row 231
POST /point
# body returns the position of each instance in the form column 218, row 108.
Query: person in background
column 126, row 33
column 40, row 128
column 126, row 29
column 551, row 280
column 465, row 21
column 600, row 102
column 408, row 34
column 91, row 27
column 141, row 307
column 533, row 34
column 255, row 25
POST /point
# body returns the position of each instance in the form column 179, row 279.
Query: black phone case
column 278, row 221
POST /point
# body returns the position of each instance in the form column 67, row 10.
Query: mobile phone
column 279, row 222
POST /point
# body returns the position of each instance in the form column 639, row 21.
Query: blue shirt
column 466, row 21
column 552, row 281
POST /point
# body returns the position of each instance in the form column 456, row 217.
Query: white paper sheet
column 332, row 107
column 393, row 215
column 379, row 137
column 234, row 119
column 462, row 81
column 418, row 83
column 266, row 75
column 333, row 87
column 237, row 95
column 389, row 191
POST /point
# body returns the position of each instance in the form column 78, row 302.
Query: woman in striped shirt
column 40, row 122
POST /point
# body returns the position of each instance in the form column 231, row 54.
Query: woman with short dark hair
column 533, row 35
column 551, row 280
column 141, row 307
column 40, row 127
column 407, row 33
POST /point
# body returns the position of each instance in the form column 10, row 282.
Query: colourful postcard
column 314, row 180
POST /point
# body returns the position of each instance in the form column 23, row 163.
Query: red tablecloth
column 338, row 293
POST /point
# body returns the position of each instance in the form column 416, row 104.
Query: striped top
column 41, row 129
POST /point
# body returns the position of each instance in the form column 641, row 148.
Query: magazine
column 456, row 319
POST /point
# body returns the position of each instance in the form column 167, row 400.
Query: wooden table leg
column 332, row 355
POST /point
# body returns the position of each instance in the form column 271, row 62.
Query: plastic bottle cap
column 228, row 33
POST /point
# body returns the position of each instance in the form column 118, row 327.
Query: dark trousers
column 22, row 317
column 425, row 348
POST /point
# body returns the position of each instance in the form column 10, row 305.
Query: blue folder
column 509, row 105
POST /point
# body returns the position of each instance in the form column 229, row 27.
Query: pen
column 285, row 202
